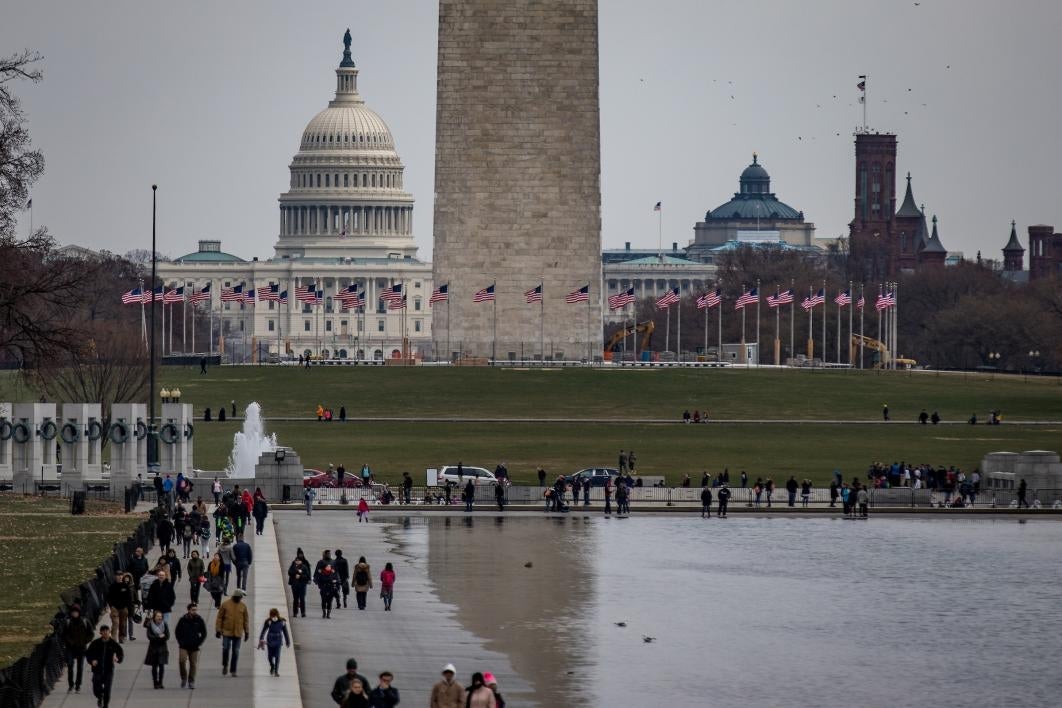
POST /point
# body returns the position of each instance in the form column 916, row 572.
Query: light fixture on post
column 175, row 395
column 164, row 394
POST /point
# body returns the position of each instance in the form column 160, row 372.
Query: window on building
column 416, row 284
column 318, row 179
column 272, row 326
column 305, row 325
column 272, row 305
column 379, row 325
column 361, row 326
column 346, row 180
column 416, row 304
column 416, row 325
column 328, row 325
column 241, row 325
column 306, row 308
column 381, row 307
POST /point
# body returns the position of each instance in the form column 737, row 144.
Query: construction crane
column 884, row 355
column 644, row 328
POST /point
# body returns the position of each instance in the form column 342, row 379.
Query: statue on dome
column 346, row 40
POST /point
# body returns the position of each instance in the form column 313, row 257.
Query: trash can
column 77, row 503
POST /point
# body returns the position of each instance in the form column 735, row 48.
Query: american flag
column 232, row 294
column 862, row 301
column 248, row 297
column 202, row 295
column 622, row 299
column 781, row 298
column 580, row 295
column 843, row 298
column 132, row 297
column 160, row 294
column 306, row 294
column 710, row 299
column 816, row 299
column 534, row 294
column 885, row 301
column 269, row 292
column 349, row 297
column 397, row 304
column 747, row 299
column 173, row 296
column 667, row 299
column 657, row 207
column 484, row 294
column 392, row 294
column 283, row 298
column 441, row 294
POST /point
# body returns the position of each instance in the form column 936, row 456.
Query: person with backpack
column 203, row 536
column 273, row 636
column 187, row 535
column 387, row 586
column 724, row 500
column 343, row 570
column 76, row 634
column 261, row 511
column 362, row 581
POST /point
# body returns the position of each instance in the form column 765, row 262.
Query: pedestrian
column 298, row 579
column 706, row 503
column 161, row 595
column 387, row 585
column 846, row 498
column 233, row 408
column 261, row 511
column 187, row 535
column 327, row 581
column 366, row 474
column 363, row 510
column 492, row 684
column 273, row 636
column 885, row 412
column 342, row 568
column 542, row 475
column 164, row 533
column 232, row 626
column 202, row 365
column 469, row 495
column 935, row 418
column 1022, row 491
column 622, row 494
column 242, row 557
column 686, row 483
column 358, row 696
column 805, row 493
column 190, row 634
column 362, row 581
column 175, row 566
column 744, row 480
column 499, row 495
column 342, row 414
column 769, row 489
column 791, row 487
column 196, row 575
column 204, row 535
column 447, row 692
column 121, row 598
column 630, row 461
column 724, row 500
column 76, row 634
column 834, row 493
column 479, row 696
column 158, row 652
column 216, row 488
column 384, row 695
column 103, row 655
column 863, row 498
column 308, row 495
column 608, row 496
column 227, row 550
column 757, row 491
column 341, row 686
column 215, row 579
column 586, row 491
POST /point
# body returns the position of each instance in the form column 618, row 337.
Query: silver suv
column 478, row 475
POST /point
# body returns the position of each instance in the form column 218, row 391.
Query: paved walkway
column 254, row 686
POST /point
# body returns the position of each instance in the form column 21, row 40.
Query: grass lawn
column 43, row 552
column 811, row 450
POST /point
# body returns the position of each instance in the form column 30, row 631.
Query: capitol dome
column 346, row 196
column 754, row 199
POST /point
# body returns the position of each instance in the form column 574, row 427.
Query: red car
column 319, row 479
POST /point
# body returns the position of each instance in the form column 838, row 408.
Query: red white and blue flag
column 133, row 297
column 441, row 294
column 622, row 299
column 817, row 299
column 843, row 298
column 269, row 292
column 248, row 297
column 306, row 294
column 781, row 298
column 201, row 295
column 862, row 301
column 710, row 299
column 885, row 301
column 397, row 303
column 160, row 294
column 657, row 207
column 580, row 295
column 534, row 294
column 484, row 294
column 232, row 294
column 283, row 297
column 752, row 296
column 173, row 296
column 668, row 299
column 392, row 295
column 349, row 297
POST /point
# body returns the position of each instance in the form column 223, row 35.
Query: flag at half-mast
column 441, row 294
column 580, row 295
column 843, row 298
column 752, row 296
column 862, row 301
column 622, row 299
column 534, row 294
column 484, row 294
column 710, row 299
column 668, row 299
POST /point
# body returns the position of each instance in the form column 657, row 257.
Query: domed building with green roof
column 753, row 215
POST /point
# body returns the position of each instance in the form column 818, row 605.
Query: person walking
column 273, row 636
column 622, row 493
column 407, row 488
column 215, row 579
column 706, row 503
column 196, row 569
column 203, row 534
column 384, row 695
column 542, row 476
column 161, row 596
column 447, row 692
column 103, row 654
column 76, row 634
column 341, row 686
column 342, row 568
column 479, row 696
column 499, row 495
column 358, row 697
column 834, row 493
column 862, row 498
column 216, row 488
column 791, row 487
column 261, row 511
column 308, row 495
column 298, row 579
column 242, row 557
column 469, row 495
column 492, row 684
column 769, row 489
column 387, row 585
column 362, row 581
column 158, row 651
column 363, row 510
column 1023, row 489
column 121, row 598
column 608, row 496
column 805, row 493
column 586, row 491
column 187, row 537
column 724, row 500
column 232, row 627
column 327, row 581
column 190, row 634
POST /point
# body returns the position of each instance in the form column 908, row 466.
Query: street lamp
column 175, row 395
column 164, row 394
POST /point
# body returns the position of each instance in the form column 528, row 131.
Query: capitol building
column 344, row 221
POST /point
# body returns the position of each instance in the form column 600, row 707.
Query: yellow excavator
column 884, row 357
column 616, row 340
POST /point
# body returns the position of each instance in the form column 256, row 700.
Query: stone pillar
column 175, row 439
column 33, row 461
column 80, row 434
column 272, row 475
column 5, row 444
column 128, row 443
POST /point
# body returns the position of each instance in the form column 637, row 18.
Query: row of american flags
column 714, row 298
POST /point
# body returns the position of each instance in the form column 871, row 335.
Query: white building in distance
column 345, row 220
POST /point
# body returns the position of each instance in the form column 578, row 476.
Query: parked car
column 597, row 476
column 323, row 480
column 478, row 475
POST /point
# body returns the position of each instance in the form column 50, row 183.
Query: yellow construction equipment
column 644, row 328
column 884, row 356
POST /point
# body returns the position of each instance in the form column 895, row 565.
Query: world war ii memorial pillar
column 33, row 454
column 80, row 435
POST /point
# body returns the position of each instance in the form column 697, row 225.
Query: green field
column 628, row 401
column 45, row 551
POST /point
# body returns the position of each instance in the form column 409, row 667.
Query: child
column 363, row 510
column 274, row 634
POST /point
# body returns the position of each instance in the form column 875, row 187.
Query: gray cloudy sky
column 209, row 100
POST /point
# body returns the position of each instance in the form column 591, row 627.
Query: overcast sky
column 209, row 100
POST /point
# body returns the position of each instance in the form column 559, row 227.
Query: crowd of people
column 353, row 690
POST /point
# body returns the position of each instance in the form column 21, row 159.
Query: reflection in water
column 537, row 615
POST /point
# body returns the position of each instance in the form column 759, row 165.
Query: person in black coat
column 706, row 502
column 103, row 654
column 261, row 511
column 384, row 695
column 342, row 568
column 724, row 499
column 298, row 579
column 158, row 651
column 164, row 532
column 161, row 596
column 191, row 632
column 76, row 634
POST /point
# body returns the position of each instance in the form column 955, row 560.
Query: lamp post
column 993, row 358
column 278, row 457
column 152, row 448
column 175, row 395
column 1033, row 355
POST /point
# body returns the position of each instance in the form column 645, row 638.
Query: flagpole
column 678, row 317
column 792, row 314
column 811, row 325
column 825, row 306
column 494, row 328
column 667, row 331
column 895, row 322
column 851, row 306
column 759, row 358
column 193, row 324
column 719, row 354
column 839, row 333
column 542, row 322
column 744, row 350
column 448, row 351
column 634, row 313
column 143, row 321
column 777, row 327
column 706, row 308
column 878, row 310
column 862, row 296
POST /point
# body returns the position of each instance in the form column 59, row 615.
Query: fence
column 25, row 683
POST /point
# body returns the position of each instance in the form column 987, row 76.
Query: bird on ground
column 621, row 624
column 648, row 640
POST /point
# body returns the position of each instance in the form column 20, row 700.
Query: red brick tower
column 1041, row 261
column 873, row 251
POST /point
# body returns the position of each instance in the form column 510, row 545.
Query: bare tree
column 20, row 165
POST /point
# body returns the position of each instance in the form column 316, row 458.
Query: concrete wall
column 517, row 173
column 1041, row 469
